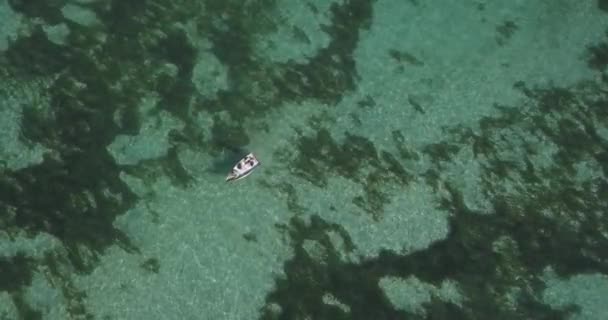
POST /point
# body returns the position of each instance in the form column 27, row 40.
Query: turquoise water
column 420, row 159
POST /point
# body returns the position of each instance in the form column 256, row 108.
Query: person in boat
column 243, row 168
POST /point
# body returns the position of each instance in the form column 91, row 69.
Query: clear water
column 420, row 159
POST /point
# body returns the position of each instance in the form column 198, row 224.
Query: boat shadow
column 228, row 158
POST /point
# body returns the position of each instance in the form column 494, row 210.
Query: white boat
column 243, row 168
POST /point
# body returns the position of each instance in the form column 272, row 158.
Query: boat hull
column 243, row 168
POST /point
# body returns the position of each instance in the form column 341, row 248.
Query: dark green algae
column 55, row 196
column 569, row 241
column 75, row 193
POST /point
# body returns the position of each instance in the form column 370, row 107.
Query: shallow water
column 420, row 160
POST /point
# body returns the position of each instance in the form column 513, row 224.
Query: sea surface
column 419, row 159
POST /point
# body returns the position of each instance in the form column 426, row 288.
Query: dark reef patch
column 36, row 55
column 151, row 265
column 405, row 151
column 228, row 134
column 367, row 102
column 169, row 164
column 554, row 219
column 441, row 151
column 257, row 86
column 231, row 29
column 597, row 55
column 231, row 36
column 15, row 272
column 354, row 158
column 176, row 93
column 59, row 270
column 331, row 72
column 308, row 280
column 404, row 57
column 70, row 200
column 100, row 76
column 505, row 31
column 75, row 193
column 48, row 11
column 602, row 5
